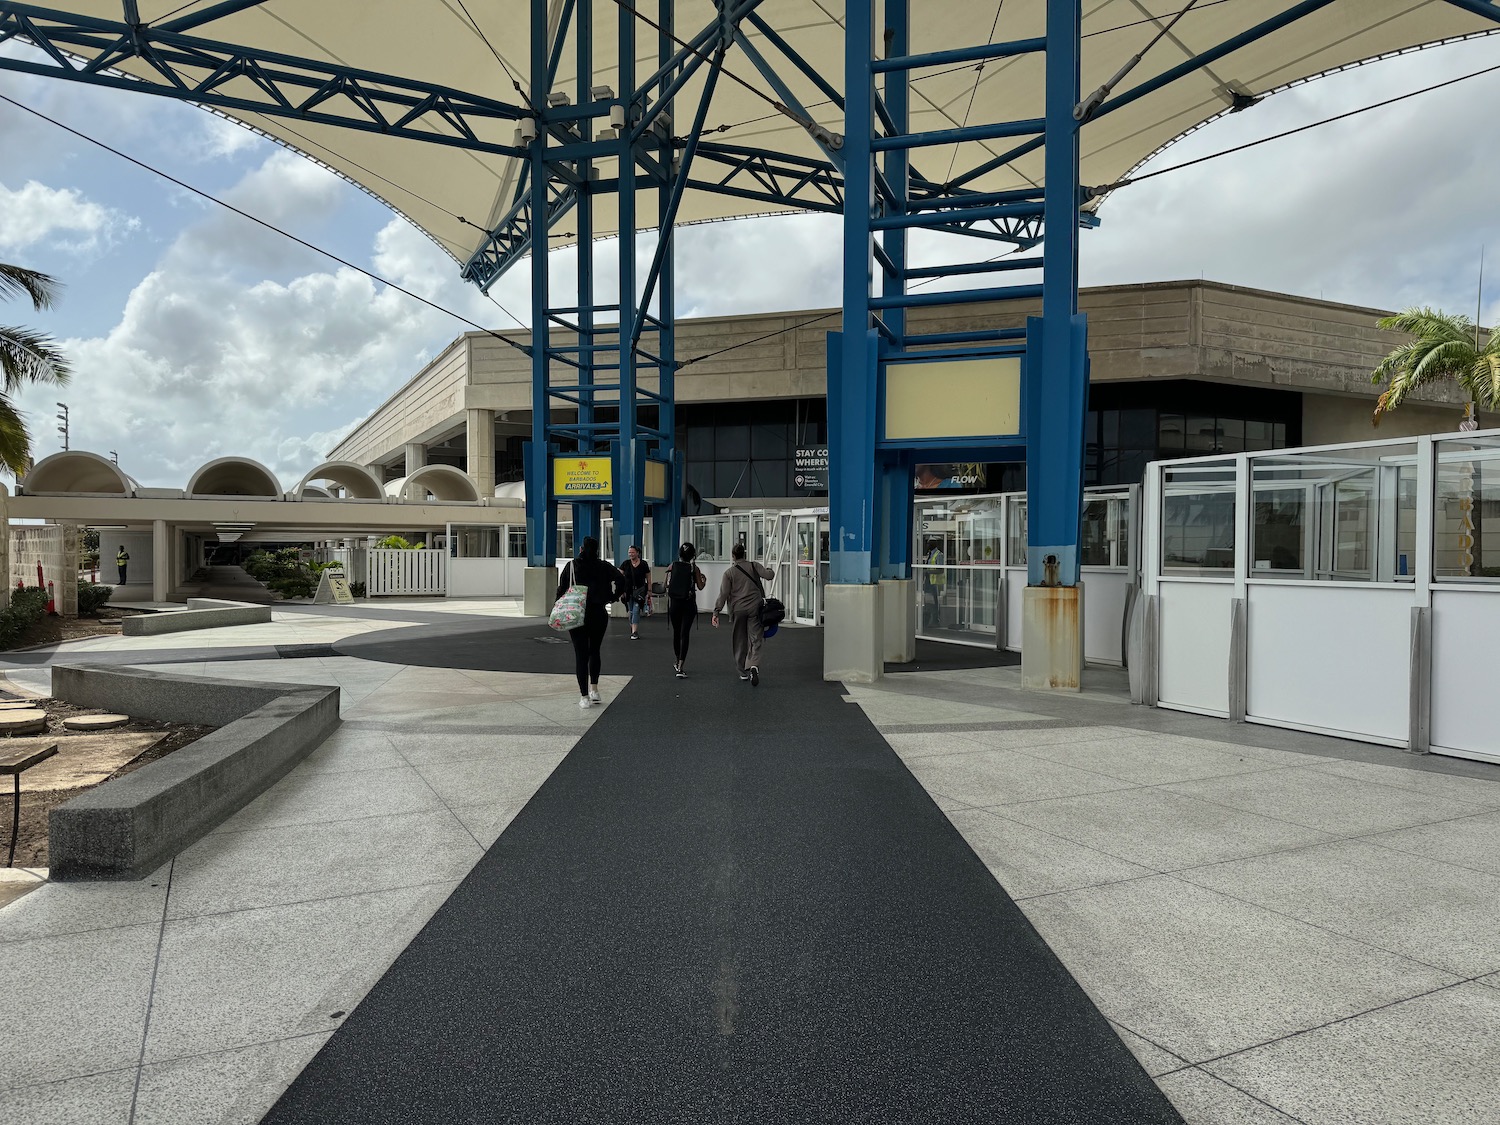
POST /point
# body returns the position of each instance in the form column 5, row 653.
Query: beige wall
column 1332, row 419
column 1165, row 330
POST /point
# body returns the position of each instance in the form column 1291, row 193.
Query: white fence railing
column 1349, row 590
column 411, row 573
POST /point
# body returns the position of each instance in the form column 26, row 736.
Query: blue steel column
column 541, row 509
column 1056, row 363
column 895, row 483
column 853, row 353
column 665, row 517
column 627, row 496
column 585, row 516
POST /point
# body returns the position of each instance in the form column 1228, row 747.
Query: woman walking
column 684, row 580
column 604, row 584
column 637, row 574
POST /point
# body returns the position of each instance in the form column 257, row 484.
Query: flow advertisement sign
column 810, row 469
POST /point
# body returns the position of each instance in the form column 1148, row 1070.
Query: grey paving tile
column 420, row 749
column 1001, row 777
column 1020, row 739
column 487, row 822
column 233, row 980
column 228, row 1088
column 1471, row 841
column 1027, row 862
column 488, row 781
column 1344, row 806
column 929, row 744
column 1468, row 790
column 946, row 803
column 1161, row 829
column 309, row 798
column 1154, row 1059
column 74, row 1004
column 1204, row 1100
column 351, row 750
column 1428, row 1060
column 300, row 862
column 1145, row 759
column 99, row 1099
column 1423, row 909
column 63, row 908
column 1203, row 975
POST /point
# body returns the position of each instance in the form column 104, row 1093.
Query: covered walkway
column 937, row 898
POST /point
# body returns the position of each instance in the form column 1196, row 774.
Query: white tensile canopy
column 461, row 45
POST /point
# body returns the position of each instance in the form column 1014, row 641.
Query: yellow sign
column 333, row 589
column 953, row 399
column 577, row 477
column 656, row 480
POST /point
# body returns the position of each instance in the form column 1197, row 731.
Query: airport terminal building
column 1178, row 369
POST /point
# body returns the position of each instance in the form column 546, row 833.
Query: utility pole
column 62, row 423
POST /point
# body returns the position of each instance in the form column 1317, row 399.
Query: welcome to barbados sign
column 579, row 478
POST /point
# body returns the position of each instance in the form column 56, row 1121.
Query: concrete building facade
column 1178, row 369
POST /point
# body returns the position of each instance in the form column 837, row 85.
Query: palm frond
column 41, row 288
column 30, row 357
column 1441, row 348
column 15, row 443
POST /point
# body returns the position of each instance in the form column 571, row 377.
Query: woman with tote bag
column 605, row 585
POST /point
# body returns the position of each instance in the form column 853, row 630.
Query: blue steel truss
column 587, row 394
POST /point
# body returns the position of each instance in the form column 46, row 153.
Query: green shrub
column 26, row 608
column 357, row 589
column 295, row 586
column 395, row 543
column 92, row 596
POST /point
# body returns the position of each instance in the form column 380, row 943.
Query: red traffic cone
column 51, row 602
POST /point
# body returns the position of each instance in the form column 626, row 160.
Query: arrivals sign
column 810, row 469
column 582, row 478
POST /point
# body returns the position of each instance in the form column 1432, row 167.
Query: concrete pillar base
column 541, row 591
column 853, row 633
column 899, row 606
column 1052, row 638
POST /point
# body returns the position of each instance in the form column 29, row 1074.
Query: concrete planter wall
column 128, row 827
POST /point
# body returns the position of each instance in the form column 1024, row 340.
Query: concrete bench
column 128, row 827
column 201, row 613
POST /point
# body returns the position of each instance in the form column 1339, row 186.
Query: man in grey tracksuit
column 738, row 590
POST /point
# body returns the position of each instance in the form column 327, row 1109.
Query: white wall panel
column 1104, row 593
column 1331, row 658
column 1465, row 652
column 1193, row 665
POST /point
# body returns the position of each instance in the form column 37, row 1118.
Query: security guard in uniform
column 122, row 560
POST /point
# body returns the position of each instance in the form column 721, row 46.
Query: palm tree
column 26, row 357
column 1442, row 346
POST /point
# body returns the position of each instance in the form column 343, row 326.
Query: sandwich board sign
column 333, row 589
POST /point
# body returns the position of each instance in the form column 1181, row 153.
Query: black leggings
column 586, row 641
column 681, row 612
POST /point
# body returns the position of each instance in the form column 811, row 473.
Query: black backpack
column 680, row 580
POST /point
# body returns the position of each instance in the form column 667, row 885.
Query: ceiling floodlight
column 558, row 98
column 526, row 129
column 602, row 93
column 617, row 117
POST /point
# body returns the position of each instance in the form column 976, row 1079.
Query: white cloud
column 35, row 213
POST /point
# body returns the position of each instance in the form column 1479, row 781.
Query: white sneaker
column 594, row 695
column 583, row 701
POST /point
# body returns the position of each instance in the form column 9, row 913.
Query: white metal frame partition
column 983, row 594
column 1332, row 589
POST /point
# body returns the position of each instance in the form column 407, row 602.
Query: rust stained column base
column 1052, row 638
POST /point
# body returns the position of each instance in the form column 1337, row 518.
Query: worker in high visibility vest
column 122, row 560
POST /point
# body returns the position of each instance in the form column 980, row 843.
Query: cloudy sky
column 195, row 333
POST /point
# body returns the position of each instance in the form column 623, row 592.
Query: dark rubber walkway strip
column 728, row 904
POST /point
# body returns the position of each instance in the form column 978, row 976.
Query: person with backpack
column 741, row 590
column 605, row 585
column 684, row 580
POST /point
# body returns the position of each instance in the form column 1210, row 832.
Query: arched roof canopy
column 357, row 480
column 445, row 484
column 77, row 471
column 435, row 183
column 234, row 476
